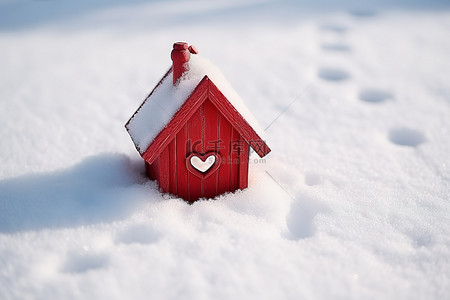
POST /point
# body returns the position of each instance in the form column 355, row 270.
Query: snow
column 158, row 109
column 352, row 202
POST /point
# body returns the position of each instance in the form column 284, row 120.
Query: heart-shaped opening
column 203, row 165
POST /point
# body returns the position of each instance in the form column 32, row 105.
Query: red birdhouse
column 194, row 132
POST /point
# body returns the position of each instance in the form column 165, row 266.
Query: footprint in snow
column 406, row 137
column 333, row 74
column 300, row 219
column 82, row 263
column 374, row 95
column 336, row 47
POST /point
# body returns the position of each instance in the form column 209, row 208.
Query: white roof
column 158, row 109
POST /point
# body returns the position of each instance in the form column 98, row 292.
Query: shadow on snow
column 96, row 190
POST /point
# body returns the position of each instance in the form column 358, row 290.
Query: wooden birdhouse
column 194, row 132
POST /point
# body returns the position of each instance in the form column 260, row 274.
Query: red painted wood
column 173, row 167
column 164, row 171
column 211, row 144
column 218, row 149
column 149, row 171
column 243, row 166
column 180, row 56
column 225, row 129
column 193, row 49
column 152, row 170
column 236, row 149
column 195, row 129
column 181, row 172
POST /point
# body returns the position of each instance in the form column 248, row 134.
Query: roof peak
column 166, row 99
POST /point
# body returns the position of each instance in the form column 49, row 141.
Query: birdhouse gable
column 170, row 105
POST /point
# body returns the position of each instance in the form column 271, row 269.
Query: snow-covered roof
column 159, row 108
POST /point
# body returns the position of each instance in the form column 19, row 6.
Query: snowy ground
column 352, row 203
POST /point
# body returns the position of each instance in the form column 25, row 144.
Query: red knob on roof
column 193, row 49
column 180, row 56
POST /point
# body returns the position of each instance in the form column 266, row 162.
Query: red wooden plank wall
column 206, row 131
column 195, row 138
column 210, row 138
